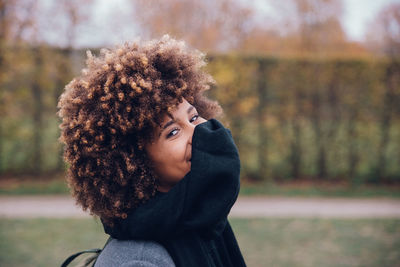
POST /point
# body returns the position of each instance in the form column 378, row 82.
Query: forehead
column 174, row 114
column 180, row 108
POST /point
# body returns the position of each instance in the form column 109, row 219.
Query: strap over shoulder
column 88, row 261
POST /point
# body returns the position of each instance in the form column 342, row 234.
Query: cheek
column 170, row 156
column 176, row 152
column 177, row 166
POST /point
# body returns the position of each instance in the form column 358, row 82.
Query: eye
column 173, row 132
column 194, row 118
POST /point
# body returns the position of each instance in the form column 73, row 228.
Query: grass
column 319, row 242
column 319, row 189
column 264, row 242
column 30, row 186
column 45, row 242
column 53, row 187
column 56, row 184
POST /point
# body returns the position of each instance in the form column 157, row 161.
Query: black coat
column 190, row 220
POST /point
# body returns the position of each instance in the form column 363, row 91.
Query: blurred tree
column 262, row 91
column 207, row 25
column 319, row 33
column 304, row 27
column 12, row 24
column 5, row 21
column 318, row 25
column 76, row 13
column 38, row 108
column 307, row 28
column 297, row 99
column 65, row 19
column 261, row 39
column 353, row 75
column 384, row 37
column 25, row 27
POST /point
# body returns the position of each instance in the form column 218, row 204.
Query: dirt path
column 63, row 206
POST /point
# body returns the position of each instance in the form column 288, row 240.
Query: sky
column 357, row 15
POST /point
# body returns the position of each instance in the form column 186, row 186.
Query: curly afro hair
column 113, row 108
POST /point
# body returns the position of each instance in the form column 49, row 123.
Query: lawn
column 56, row 184
column 264, row 242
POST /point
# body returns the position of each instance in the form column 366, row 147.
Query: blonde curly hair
column 113, row 108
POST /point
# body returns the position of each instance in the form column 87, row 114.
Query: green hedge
column 291, row 118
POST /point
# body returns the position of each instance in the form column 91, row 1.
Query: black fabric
column 190, row 220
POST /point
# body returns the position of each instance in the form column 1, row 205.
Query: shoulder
column 132, row 253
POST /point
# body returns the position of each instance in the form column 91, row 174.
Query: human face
column 171, row 149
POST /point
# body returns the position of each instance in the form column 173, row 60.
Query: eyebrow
column 173, row 121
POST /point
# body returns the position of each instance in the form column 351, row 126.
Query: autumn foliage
column 302, row 100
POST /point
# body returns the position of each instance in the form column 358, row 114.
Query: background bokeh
column 305, row 99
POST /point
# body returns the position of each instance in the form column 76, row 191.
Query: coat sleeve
column 214, row 184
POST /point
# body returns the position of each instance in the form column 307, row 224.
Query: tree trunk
column 316, row 123
column 262, row 119
column 332, row 123
column 352, row 153
column 295, row 144
column 386, row 119
column 3, row 36
column 2, row 111
column 63, row 75
column 295, row 148
column 37, row 112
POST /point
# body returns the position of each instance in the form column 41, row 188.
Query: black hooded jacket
column 190, row 220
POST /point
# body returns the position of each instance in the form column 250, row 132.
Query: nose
column 191, row 132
